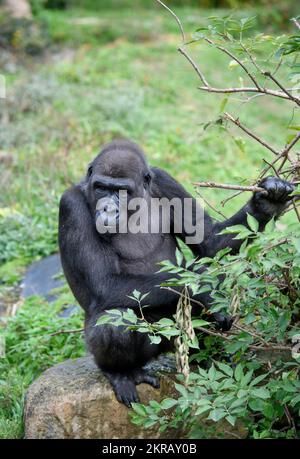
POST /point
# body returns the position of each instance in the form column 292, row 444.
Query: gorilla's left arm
column 263, row 206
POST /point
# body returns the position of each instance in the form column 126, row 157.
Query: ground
column 113, row 74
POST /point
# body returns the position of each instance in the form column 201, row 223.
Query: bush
column 31, row 348
column 252, row 374
column 260, row 387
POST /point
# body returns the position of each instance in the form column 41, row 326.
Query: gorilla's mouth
column 106, row 221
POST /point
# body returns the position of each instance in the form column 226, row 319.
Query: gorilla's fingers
column 279, row 190
column 223, row 321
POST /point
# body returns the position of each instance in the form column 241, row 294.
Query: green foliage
column 39, row 232
column 261, row 385
column 22, row 35
column 31, row 347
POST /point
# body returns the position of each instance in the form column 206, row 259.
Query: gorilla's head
column 119, row 170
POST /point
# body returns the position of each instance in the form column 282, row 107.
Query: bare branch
column 261, row 91
column 283, row 89
column 270, row 346
column 230, row 197
column 291, row 144
column 236, row 121
column 251, row 57
column 211, row 206
column 194, row 65
column 229, row 187
column 229, row 53
column 176, row 18
column 59, row 332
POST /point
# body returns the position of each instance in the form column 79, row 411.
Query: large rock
column 74, row 400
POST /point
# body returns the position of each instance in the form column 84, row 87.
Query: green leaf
column 168, row 403
column 261, row 393
column 136, row 294
column 199, row 323
column 223, row 104
column 104, row 319
column 258, row 379
column 231, row 419
column 257, row 405
column 202, row 409
column 225, row 368
column 253, row 223
column 139, row 409
column 238, row 372
column 166, row 322
column 217, row 414
column 179, row 257
column 247, row 378
column 212, row 373
column 155, row 339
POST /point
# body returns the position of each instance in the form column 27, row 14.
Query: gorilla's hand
column 223, row 321
column 276, row 197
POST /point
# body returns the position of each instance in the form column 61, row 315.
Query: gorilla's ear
column 147, row 179
column 89, row 170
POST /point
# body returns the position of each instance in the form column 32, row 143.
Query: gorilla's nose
column 111, row 209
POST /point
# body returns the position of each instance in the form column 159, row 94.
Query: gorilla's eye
column 147, row 178
column 99, row 189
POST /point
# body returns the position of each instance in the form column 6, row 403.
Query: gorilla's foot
column 143, row 376
column 124, row 385
column 124, row 388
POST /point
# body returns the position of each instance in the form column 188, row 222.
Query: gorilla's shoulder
column 73, row 196
column 163, row 183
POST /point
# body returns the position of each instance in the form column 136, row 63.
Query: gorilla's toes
column 127, row 394
column 142, row 376
column 124, row 388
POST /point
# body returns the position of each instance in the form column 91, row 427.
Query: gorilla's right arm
column 90, row 264
column 263, row 206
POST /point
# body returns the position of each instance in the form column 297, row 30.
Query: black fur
column 103, row 271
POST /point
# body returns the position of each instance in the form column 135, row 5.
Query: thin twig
column 266, row 91
column 252, row 333
column 274, row 347
column 176, row 19
column 229, row 53
column 210, row 205
column 194, row 65
column 283, row 89
column 290, row 418
column 271, row 167
column 234, row 195
column 296, row 210
column 237, row 122
column 59, row 332
column 291, row 144
column 229, row 187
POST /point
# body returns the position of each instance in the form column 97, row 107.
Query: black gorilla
column 104, row 269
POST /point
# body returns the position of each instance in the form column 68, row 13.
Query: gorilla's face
column 115, row 177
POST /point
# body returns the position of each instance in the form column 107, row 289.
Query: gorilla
column 104, row 268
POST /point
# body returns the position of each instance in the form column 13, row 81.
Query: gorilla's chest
column 141, row 253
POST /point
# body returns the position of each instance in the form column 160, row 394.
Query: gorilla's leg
column 120, row 354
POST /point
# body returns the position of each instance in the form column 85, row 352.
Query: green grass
column 115, row 75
